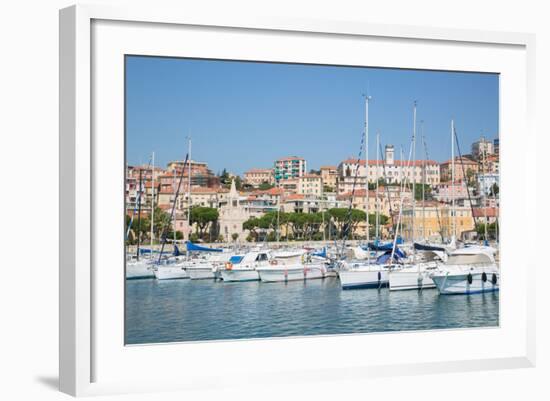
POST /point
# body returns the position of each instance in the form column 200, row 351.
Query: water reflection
column 185, row 310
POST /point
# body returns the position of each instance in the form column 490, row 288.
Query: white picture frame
column 86, row 331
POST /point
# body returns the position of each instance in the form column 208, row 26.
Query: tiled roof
column 294, row 197
column 488, row 211
column 404, row 163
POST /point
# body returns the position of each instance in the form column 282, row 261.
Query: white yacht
column 468, row 270
column 171, row 268
column 287, row 269
column 416, row 275
column 362, row 270
column 243, row 267
column 207, row 268
column 363, row 274
column 136, row 269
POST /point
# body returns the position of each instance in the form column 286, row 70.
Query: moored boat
column 243, row 267
column 139, row 269
column 292, row 272
column 468, row 270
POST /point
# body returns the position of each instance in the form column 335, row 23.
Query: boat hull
column 449, row 284
column 140, row 270
column 239, row 275
column 170, row 273
column 201, row 273
column 356, row 279
column 292, row 273
column 410, row 280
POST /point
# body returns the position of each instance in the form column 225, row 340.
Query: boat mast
column 414, row 175
column 367, row 98
column 423, row 181
column 484, row 179
column 377, row 186
column 453, row 212
column 174, row 206
column 278, row 217
column 139, row 214
column 188, row 194
column 152, row 199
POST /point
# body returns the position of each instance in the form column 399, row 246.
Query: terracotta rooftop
column 294, row 197
column 488, row 211
column 404, row 163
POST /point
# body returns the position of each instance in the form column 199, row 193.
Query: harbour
column 160, row 311
column 401, row 242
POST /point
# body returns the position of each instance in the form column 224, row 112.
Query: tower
column 389, row 154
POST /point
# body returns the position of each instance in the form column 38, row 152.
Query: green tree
column 224, row 178
column 162, row 223
column 234, row 236
column 264, row 186
column 252, row 224
column 202, row 217
column 346, row 221
column 491, row 230
column 418, row 191
column 238, row 183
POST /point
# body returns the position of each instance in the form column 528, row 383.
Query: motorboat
column 468, row 270
column 243, row 267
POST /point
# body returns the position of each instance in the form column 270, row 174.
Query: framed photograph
column 296, row 200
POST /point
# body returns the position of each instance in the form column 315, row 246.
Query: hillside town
column 285, row 200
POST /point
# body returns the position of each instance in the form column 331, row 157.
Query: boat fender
column 470, row 278
column 229, row 266
column 494, row 279
column 379, row 276
column 484, row 277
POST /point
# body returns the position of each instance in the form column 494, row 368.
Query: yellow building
column 433, row 220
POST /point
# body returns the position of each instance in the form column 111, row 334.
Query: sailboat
column 283, row 267
column 425, row 259
column 468, row 270
column 363, row 273
column 136, row 267
column 172, row 267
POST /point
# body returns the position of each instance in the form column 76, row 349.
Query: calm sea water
column 191, row 310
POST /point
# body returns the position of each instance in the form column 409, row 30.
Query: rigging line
column 135, row 205
column 347, row 221
column 386, row 190
column 164, row 233
column 464, row 176
column 437, row 205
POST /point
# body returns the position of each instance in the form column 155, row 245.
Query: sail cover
column 422, row 247
column 382, row 259
column 379, row 247
column 322, row 253
column 198, row 248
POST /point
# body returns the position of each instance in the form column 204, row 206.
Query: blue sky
column 242, row 115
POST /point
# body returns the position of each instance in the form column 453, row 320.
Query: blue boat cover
column 422, row 247
column 176, row 250
column 378, row 247
column 195, row 247
column 322, row 253
column 387, row 255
